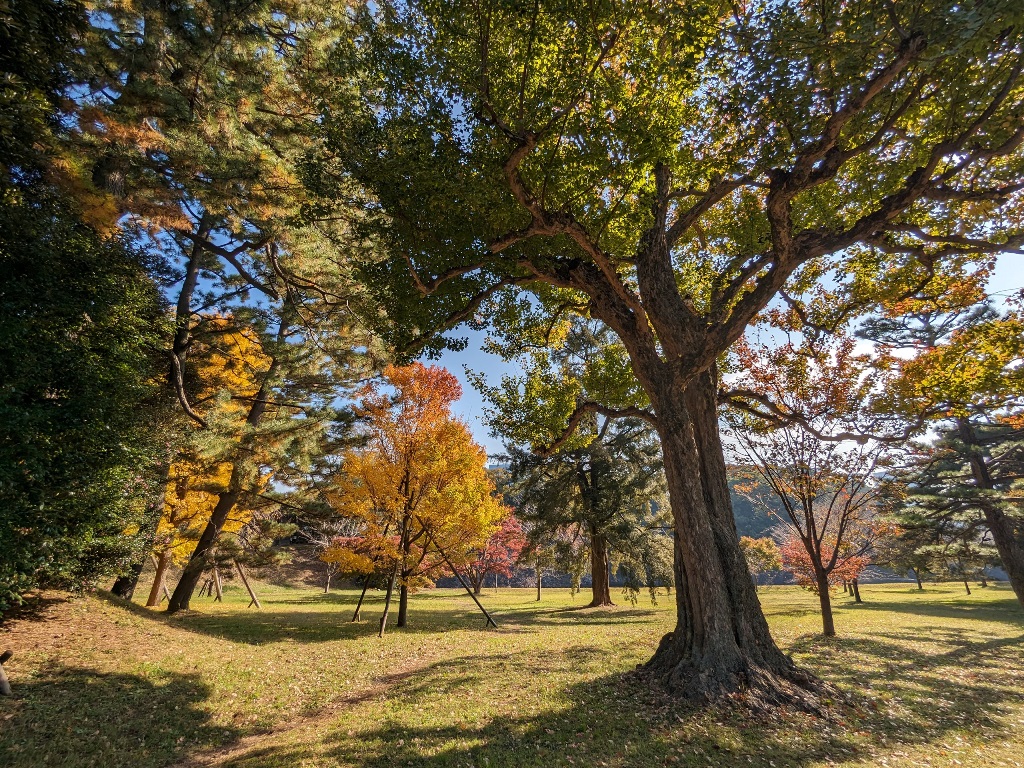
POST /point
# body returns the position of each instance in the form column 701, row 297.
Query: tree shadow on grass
column 902, row 698
column 447, row 612
column 1007, row 611
column 77, row 717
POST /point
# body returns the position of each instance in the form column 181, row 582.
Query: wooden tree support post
column 5, row 686
column 255, row 600
column 362, row 596
column 217, row 585
column 167, row 593
column 490, row 621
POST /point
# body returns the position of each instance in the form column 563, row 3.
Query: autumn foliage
column 499, row 554
column 418, row 486
column 798, row 561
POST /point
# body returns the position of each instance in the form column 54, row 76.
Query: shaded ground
column 936, row 676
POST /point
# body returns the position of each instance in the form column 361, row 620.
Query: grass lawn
column 936, row 676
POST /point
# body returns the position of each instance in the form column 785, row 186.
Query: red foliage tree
column 499, row 554
column 797, row 561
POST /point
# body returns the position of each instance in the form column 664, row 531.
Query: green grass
column 936, row 678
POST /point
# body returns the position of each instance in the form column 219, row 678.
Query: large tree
column 193, row 120
column 960, row 367
column 669, row 169
column 603, row 484
column 79, row 317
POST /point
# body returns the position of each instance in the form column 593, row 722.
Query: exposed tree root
column 756, row 686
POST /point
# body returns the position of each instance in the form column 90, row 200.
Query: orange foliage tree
column 418, row 486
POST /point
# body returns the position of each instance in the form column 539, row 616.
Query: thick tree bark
column 599, row 569
column 160, row 562
column 828, row 626
column 1004, row 535
column 721, row 644
column 856, row 592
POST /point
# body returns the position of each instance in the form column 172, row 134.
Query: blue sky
column 1007, row 280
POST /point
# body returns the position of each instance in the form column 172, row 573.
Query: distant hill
column 751, row 520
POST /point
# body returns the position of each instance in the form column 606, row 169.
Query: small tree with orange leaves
column 418, row 485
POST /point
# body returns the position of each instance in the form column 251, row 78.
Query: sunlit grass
column 936, row 677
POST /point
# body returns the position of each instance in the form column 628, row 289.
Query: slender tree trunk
column 967, row 586
column 721, row 643
column 539, row 578
column 478, row 586
column 599, row 569
column 225, row 503
column 387, row 601
column 160, row 563
column 828, row 626
column 362, row 596
column 984, row 581
column 403, row 605
column 917, row 575
column 856, row 591
column 403, row 592
column 1004, row 536
column 327, row 583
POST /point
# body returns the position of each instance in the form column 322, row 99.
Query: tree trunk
column 967, row 586
column 478, row 586
column 984, row 581
column 403, row 592
column 327, row 583
column 599, row 569
column 856, row 591
column 403, row 605
column 539, row 573
column 124, row 586
column 828, row 626
column 721, row 643
column 1004, row 535
column 387, row 602
column 160, row 562
column 226, row 501
column 917, row 575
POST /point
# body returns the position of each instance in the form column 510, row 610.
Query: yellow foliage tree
column 418, row 486
column 228, row 365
